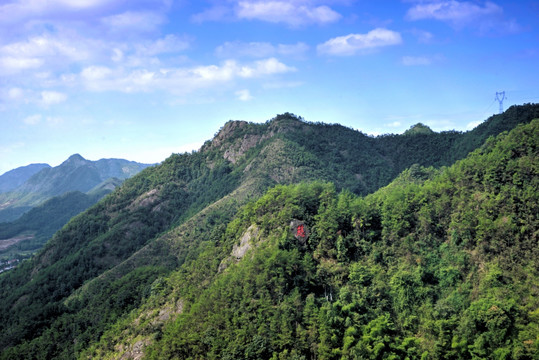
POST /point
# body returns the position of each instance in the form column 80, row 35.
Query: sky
column 141, row 79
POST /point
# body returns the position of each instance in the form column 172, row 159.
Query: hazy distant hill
column 29, row 232
column 16, row 177
column 74, row 174
column 203, row 256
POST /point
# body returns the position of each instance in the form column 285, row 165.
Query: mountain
column 226, row 253
column 440, row 264
column 16, row 177
column 30, row 232
column 419, row 128
column 74, row 174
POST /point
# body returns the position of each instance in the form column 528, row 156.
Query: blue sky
column 141, row 79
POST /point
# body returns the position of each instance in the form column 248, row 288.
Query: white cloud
column 60, row 51
column 354, row 43
column 75, row 4
column 394, row 124
column 37, row 119
column 244, row 95
column 216, row 13
column 294, row 13
column 52, row 98
column 44, row 51
column 416, row 60
column 241, row 49
column 168, row 44
column 177, row 80
column 14, row 65
column 423, row 60
column 88, row 11
column 453, row 11
column 21, row 9
column 237, row 49
column 288, row 12
column 231, row 69
column 117, row 55
column 32, row 119
column 95, row 73
column 486, row 18
column 424, row 37
column 54, row 120
column 138, row 21
column 271, row 66
column 296, row 50
column 15, row 93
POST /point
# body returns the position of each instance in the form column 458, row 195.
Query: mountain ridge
column 14, row 178
column 409, row 270
column 74, row 174
column 166, row 220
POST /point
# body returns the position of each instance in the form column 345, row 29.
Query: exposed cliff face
column 237, row 137
column 240, row 147
column 227, row 131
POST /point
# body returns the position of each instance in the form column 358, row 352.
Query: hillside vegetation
column 41, row 222
column 203, row 255
column 440, row 264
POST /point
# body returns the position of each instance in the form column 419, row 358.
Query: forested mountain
column 74, row 174
column 30, row 232
column 196, row 258
column 16, row 177
column 439, row 264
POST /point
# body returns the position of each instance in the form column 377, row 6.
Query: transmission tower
column 500, row 96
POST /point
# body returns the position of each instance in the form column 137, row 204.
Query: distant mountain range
column 14, row 178
column 29, row 186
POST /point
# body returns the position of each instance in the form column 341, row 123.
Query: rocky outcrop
column 239, row 250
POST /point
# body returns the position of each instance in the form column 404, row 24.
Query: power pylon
column 500, row 96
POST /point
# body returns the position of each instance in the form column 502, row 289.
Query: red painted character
column 301, row 231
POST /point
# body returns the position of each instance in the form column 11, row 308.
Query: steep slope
column 109, row 260
column 14, row 178
column 74, row 174
column 438, row 265
column 98, row 240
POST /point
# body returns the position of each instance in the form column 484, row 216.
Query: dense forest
column 440, row 264
column 298, row 240
column 41, row 222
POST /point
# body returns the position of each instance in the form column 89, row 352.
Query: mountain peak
column 75, row 159
column 287, row 117
column 227, row 131
column 419, row 128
